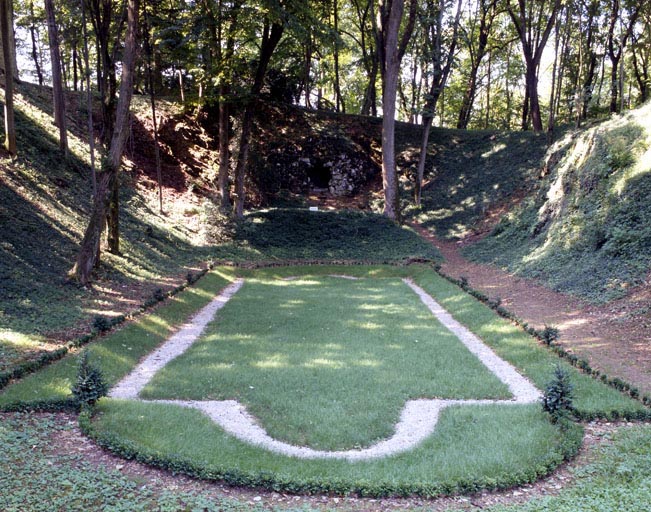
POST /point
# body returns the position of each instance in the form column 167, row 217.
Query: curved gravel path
column 417, row 420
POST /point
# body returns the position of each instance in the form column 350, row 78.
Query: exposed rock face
column 304, row 154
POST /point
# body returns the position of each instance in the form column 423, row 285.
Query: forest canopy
column 466, row 64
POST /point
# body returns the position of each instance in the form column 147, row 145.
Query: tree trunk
column 152, row 100
column 34, row 37
column 534, row 104
column 102, row 14
column 614, row 84
column 224, row 152
column 389, row 20
column 339, row 104
column 89, row 98
column 6, row 26
column 270, row 39
column 533, row 24
column 487, row 16
column 57, row 84
column 442, row 68
column 89, row 250
column 75, row 75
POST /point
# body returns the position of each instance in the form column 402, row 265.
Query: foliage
column 120, row 426
column 35, row 477
column 90, row 385
column 472, row 173
column 586, row 231
column 550, row 334
column 115, row 353
column 557, row 399
column 300, row 234
column 617, row 480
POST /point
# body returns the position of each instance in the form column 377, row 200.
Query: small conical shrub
column 90, row 385
column 557, row 399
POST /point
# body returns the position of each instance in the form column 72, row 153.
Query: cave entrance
column 319, row 175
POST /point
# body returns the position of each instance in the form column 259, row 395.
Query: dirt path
column 615, row 338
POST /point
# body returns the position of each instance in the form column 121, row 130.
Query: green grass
column 118, row 352
column 472, row 447
column 618, row 480
column 511, row 343
column 324, row 361
column 35, row 479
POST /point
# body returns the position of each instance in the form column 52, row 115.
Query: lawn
column 326, row 362
column 329, row 362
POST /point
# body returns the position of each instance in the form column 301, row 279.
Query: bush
column 550, row 334
column 90, row 385
column 557, row 399
column 101, row 323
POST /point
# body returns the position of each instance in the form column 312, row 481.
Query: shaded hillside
column 45, row 200
column 44, row 205
column 474, row 174
column 467, row 172
column 588, row 228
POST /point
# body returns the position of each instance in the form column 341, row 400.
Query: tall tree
column 57, row 81
column 90, row 245
column 272, row 31
column 369, row 55
column 533, row 20
column 641, row 56
column 391, row 46
column 441, row 52
column 149, row 51
column 107, row 17
column 476, row 38
column 89, row 96
column 7, row 27
column 620, row 27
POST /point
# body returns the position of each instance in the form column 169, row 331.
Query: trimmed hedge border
column 548, row 337
column 101, row 325
column 567, row 449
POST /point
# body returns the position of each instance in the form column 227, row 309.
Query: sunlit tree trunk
column 57, row 83
column 107, row 179
column 533, row 21
column 391, row 47
column 6, row 26
column 270, row 39
column 441, row 59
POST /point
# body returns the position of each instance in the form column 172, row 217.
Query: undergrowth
column 587, row 230
column 36, row 478
column 470, row 173
column 617, row 480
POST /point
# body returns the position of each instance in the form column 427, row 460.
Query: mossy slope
column 588, row 229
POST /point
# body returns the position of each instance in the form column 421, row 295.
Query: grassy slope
column 469, row 173
column 586, row 231
column 44, row 203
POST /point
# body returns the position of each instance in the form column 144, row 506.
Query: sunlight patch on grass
column 315, row 374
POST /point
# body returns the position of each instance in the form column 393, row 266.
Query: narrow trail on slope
column 615, row 337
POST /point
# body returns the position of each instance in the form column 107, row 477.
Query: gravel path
column 417, row 420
